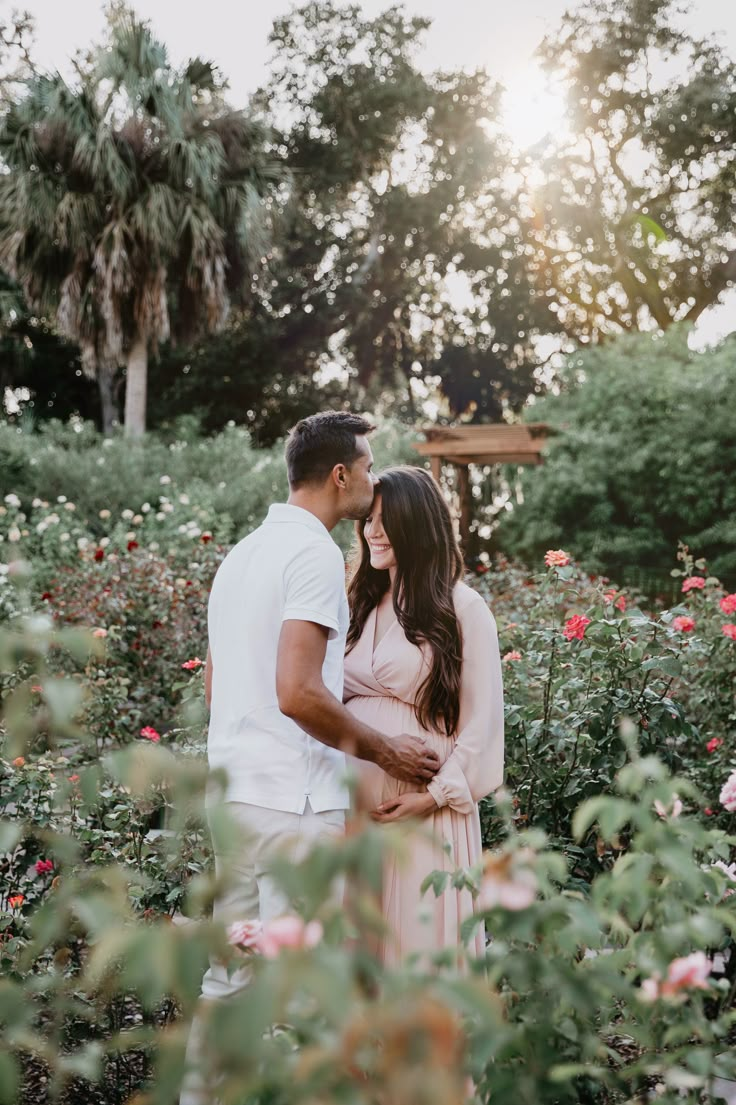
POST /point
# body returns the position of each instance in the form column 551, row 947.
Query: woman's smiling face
column 382, row 553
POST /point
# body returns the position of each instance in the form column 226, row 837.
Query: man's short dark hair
column 316, row 444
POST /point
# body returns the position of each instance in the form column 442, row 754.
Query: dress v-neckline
column 376, row 644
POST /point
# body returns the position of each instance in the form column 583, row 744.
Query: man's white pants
column 251, row 894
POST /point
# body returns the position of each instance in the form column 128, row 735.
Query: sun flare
column 532, row 107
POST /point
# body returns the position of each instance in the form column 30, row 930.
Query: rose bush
column 608, row 892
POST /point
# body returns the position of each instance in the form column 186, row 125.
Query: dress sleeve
column 475, row 766
column 314, row 587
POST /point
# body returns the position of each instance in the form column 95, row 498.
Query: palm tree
column 134, row 202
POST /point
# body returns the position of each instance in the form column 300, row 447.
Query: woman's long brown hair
column 429, row 563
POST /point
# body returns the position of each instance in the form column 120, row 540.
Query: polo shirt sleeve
column 314, row 587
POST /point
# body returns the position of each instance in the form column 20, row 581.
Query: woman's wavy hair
column 418, row 524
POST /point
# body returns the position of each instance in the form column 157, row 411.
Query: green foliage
column 642, row 458
column 631, row 202
column 164, row 495
column 131, row 201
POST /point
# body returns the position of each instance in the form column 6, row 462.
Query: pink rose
column 288, row 932
column 192, row 665
column 99, row 632
column 727, row 796
column 513, row 655
column 683, row 623
column 556, row 558
column 728, row 604
column 713, row 744
column 621, row 603
column 150, row 734
column 575, row 627
column 729, row 630
column 44, row 866
column 693, row 583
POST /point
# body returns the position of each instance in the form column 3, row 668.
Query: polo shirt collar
column 287, row 512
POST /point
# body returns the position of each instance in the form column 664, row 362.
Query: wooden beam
column 493, row 458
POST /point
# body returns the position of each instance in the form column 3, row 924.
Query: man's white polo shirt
column 289, row 568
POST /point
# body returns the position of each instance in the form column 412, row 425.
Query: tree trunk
column 108, row 399
column 135, row 389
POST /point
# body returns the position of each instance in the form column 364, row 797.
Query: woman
column 423, row 658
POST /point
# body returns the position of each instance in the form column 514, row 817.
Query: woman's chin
column 380, row 563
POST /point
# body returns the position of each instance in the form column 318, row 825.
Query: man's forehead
column 364, row 449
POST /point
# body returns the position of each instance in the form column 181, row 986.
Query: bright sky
column 500, row 35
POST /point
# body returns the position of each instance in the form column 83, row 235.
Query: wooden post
column 465, row 496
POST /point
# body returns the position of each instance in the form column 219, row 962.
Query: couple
column 401, row 684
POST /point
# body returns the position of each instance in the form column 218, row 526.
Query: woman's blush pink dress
column 381, row 684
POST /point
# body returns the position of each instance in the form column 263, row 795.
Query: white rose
column 145, row 508
column 64, row 537
column 127, row 515
column 184, row 499
column 82, row 543
column 104, row 514
column 153, row 546
column 13, row 534
column 104, row 542
column 61, row 499
column 12, row 499
column 165, row 479
column 160, row 516
column 137, row 519
column 69, row 506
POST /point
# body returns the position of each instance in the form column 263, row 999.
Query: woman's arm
column 475, row 766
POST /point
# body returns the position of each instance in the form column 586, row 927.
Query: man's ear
column 339, row 476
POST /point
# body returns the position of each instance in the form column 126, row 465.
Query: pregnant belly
column 391, row 717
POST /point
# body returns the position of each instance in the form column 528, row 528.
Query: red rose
column 205, row 538
column 575, row 627
column 45, row 596
column 44, row 866
column 714, row 744
column 99, row 555
column 132, row 545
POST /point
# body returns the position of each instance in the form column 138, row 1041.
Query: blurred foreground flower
column 664, row 812
column 683, row 623
column 729, row 630
column 150, row 734
column 508, row 881
column 270, row 939
column 690, row 972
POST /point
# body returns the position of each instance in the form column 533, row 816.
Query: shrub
column 642, row 458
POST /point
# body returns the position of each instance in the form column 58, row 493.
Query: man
column 278, row 618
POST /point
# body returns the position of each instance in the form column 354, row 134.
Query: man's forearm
column 325, row 718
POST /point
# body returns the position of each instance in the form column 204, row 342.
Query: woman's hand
column 403, row 806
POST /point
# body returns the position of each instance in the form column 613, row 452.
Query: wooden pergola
column 483, row 445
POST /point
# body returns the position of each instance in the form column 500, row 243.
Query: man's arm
column 208, row 679
column 303, row 697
